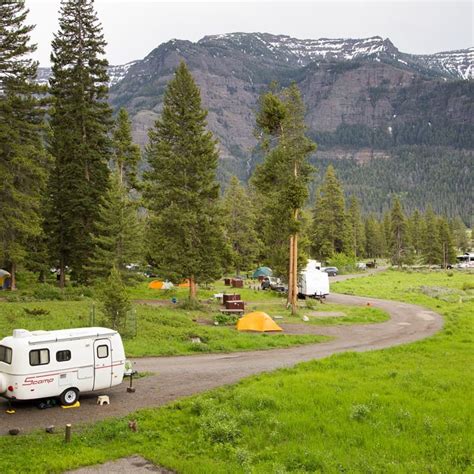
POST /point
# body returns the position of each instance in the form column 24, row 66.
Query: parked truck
column 63, row 363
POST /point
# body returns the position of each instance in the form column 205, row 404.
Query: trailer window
column 102, row 351
column 39, row 357
column 5, row 354
column 63, row 356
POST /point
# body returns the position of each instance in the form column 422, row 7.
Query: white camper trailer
column 312, row 282
column 42, row 364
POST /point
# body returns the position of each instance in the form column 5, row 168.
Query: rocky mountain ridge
column 457, row 64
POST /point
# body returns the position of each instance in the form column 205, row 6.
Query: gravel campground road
column 176, row 377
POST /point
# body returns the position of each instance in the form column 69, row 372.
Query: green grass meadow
column 168, row 329
column 161, row 331
column 406, row 409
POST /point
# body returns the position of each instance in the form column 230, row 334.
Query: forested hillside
column 442, row 177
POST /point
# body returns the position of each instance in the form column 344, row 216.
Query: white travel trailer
column 312, row 282
column 43, row 364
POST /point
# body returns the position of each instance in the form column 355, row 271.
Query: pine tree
column 357, row 227
column 432, row 251
column 416, row 225
column 115, row 303
column 185, row 239
column 399, row 238
column 448, row 253
column 283, row 178
column 80, row 122
column 118, row 233
column 331, row 230
column 240, row 225
column 374, row 238
column 460, row 235
column 386, row 227
column 126, row 154
column 23, row 161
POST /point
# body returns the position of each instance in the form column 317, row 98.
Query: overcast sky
column 133, row 28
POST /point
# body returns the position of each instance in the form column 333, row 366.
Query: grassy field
column 160, row 330
column 399, row 410
column 167, row 329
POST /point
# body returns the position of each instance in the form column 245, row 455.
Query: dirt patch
column 299, row 328
column 133, row 464
column 154, row 302
column 326, row 314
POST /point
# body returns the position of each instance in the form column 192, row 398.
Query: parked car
column 272, row 283
column 331, row 271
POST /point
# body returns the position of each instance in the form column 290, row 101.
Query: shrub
column 468, row 285
column 226, row 319
column 219, row 427
column 36, row 311
column 360, row 412
column 115, row 301
column 345, row 263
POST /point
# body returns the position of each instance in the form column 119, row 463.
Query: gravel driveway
column 176, row 377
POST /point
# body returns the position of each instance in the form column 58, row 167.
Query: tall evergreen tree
column 431, row 245
column 118, row 232
column 399, row 237
column 80, row 122
column 126, row 154
column 460, row 235
column 284, row 176
column 416, row 225
column 240, row 225
column 374, row 238
column 386, row 227
column 331, row 231
column 448, row 252
column 23, row 161
column 356, row 227
column 186, row 239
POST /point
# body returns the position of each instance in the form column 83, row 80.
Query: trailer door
column 102, row 364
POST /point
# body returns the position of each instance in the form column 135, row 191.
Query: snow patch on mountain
column 304, row 51
column 458, row 63
column 116, row 73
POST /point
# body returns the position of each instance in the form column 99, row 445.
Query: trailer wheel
column 69, row 396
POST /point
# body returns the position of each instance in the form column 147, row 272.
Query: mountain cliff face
column 365, row 99
column 363, row 95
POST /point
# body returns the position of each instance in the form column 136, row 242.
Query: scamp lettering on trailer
column 63, row 363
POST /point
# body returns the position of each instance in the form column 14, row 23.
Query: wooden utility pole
column 290, row 274
column 293, row 270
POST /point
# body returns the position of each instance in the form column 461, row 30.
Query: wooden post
column 13, row 277
column 294, row 302
column 290, row 273
column 68, row 433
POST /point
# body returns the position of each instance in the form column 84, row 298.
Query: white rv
column 312, row 282
column 42, row 364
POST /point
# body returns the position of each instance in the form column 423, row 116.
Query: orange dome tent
column 184, row 284
column 257, row 321
column 156, row 285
